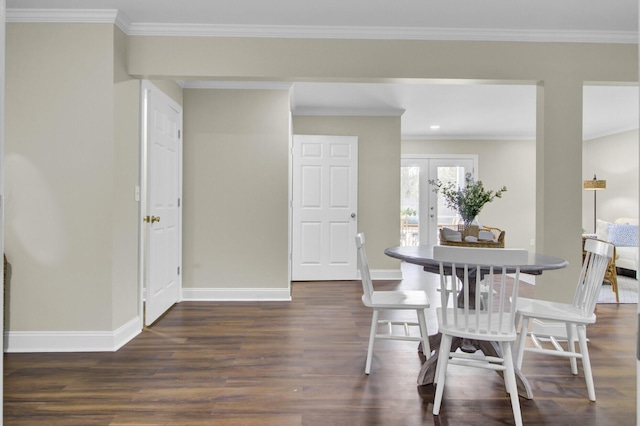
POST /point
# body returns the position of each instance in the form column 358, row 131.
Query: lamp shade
column 594, row 184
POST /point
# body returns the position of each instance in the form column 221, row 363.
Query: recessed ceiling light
column 434, row 127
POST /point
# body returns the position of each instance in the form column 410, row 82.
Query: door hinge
column 179, row 133
column 178, row 270
column 178, row 202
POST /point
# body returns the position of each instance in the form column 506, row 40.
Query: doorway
column 160, row 203
column 423, row 212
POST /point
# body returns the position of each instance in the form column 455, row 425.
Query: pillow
column 451, row 235
column 485, row 236
column 602, row 230
column 623, row 235
column 627, row 221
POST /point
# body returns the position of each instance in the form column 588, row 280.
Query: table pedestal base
column 428, row 370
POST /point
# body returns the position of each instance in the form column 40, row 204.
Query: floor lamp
column 594, row 185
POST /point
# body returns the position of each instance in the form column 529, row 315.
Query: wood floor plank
column 302, row 363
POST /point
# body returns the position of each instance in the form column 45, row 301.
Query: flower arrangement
column 467, row 201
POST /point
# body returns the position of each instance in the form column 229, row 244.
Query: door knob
column 353, row 215
column 155, row 219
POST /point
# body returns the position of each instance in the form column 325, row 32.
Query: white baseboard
column 548, row 328
column 111, row 341
column 385, row 274
column 236, row 294
column 264, row 294
column 72, row 341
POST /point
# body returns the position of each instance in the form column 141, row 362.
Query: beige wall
column 508, row 163
column 60, row 166
column 68, row 145
column 291, row 59
column 235, row 187
column 615, row 159
column 559, row 70
column 378, row 176
column 126, row 148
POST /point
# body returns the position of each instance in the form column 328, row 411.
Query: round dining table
column 423, row 255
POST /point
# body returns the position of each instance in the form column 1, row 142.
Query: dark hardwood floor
column 302, row 363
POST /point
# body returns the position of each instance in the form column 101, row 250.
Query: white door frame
column 3, row 16
column 426, row 234
column 145, row 87
column 324, row 266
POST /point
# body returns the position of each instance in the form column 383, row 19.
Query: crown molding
column 87, row 16
column 350, row 112
column 586, row 137
column 381, row 33
column 237, row 85
column 592, row 136
column 464, row 137
column 113, row 16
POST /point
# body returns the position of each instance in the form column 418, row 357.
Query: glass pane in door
column 409, row 206
column 446, row 216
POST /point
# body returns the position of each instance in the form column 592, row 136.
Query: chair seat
column 395, row 300
column 507, row 333
column 543, row 309
column 398, row 299
column 575, row 316
column 483, row 309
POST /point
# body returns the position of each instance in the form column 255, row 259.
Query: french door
column 423, row 211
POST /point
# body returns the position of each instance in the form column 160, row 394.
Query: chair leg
column 422, row 321
column 586, row 362
column 372, row 338
column 571, row 346
column 510, row 381
column 441, row 371
column 524, row 329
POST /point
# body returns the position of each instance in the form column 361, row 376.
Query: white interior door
column 325, row 198
column 162, row 218
column 418, row 195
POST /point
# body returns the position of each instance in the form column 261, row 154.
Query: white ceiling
column 462, row 111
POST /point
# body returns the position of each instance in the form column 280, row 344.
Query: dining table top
column 423, row 255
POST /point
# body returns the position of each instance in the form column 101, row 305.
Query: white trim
column 234, row 85
column 316, row 32
column 84, row 16
column 362, row 112
column 265, row 294
column 380, row 33
column 3, row 39
column 442, row 137
column 236, row 294
column 610, row 132
column 438, row 156
column 72, row 341
column 384, row 274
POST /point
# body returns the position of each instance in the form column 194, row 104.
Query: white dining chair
column 392, row 300
column 575, row 316
column 488, row 317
